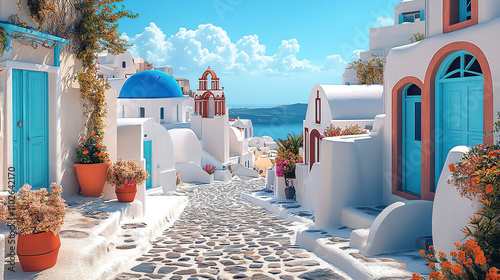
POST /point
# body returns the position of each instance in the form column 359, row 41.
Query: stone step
column 360, row 216
column 106, row 232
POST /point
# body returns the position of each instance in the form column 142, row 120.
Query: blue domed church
column 153, row 94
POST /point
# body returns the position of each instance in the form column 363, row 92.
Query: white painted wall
column 406, row 7
column 307, row 186
column 186, row 146
column 215, row 135
column 392, row 36
column 419, row 55
column 191, row 172
column 350, row 174
column 174, row 111
column 395, row 229
column 451, row 211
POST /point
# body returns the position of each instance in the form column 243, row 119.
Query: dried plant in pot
column 37, row 216
column 126, row 175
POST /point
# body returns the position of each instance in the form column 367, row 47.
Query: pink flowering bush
column 126, row 172
column 34, row 211
column 210, row 169
column 332, row 131
column 285, row 164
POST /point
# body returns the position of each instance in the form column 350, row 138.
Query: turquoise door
column 459, row 106
column 148, row 147
column 462, row 117
column 30, row 128
column 412, row 137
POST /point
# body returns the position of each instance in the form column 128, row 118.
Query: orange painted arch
column 428, row 116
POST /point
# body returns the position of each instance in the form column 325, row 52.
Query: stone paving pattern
column 221, row 236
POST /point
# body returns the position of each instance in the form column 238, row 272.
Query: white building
column 338, row 105
column 409, row 19
column 439, row 93
column 115, row 66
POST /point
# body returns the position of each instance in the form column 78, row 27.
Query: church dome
column 151, row 84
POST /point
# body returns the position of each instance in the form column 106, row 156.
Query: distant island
column 276, row 122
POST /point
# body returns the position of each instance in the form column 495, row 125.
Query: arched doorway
column 412, row 139
column 314, row 148
column 458, row 105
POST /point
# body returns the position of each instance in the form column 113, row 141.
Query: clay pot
column 92, row 178
column 38, row 251
column 126, row 193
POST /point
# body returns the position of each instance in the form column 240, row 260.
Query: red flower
column 85, row 152
column 92, row 134
column 83, row 139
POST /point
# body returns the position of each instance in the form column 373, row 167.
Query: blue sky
column 266, row 53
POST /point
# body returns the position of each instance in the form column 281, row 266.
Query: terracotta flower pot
column 92, row 178
column 38, row 251
column 126, row 193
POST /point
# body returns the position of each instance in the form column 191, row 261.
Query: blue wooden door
column 30, row 127
column 412, row 148
column 148, row 147
column 461, row 120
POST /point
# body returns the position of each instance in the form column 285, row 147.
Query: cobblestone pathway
column 221, row 236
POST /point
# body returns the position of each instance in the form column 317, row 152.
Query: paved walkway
column 221, row 236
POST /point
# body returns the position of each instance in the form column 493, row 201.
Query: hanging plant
column 3, row 41
column 96, row 32
column 39, row 9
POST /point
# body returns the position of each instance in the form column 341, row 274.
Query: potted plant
column 126, row 175
column 285, row 167
column 91, row 165
column 210, row 169
column 37, row 216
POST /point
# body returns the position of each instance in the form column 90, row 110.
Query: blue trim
column 422, row 15
column 463, row 14
column 401, row 19
column 39, row 37
column 412, row 181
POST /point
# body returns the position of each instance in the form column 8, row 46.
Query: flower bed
column 332, row 131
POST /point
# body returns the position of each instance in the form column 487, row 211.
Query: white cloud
column 355, row 54
column 193, row 50
column 384, row 21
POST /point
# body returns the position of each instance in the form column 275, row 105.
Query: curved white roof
column 348, row 102
column 186, row 145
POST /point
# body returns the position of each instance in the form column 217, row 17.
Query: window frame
column 453, row 15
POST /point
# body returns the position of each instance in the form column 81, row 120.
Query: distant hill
column 284, row 114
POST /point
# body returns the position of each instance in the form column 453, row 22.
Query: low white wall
column 240, row 170
column 270, row 178
column 223, row 175
column 396, row 228
column 350, row 174
column 191, row 172
column 451, row 211
column 207, row 158
column 307, row 193
column 186, row 145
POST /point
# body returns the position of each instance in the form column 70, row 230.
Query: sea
column 276, row 121
column 277, row 131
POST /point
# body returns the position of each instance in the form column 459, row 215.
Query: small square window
column 142, row 112
column 124, row 64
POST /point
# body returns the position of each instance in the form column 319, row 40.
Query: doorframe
column 397, row 136
column 440, row 82
column 54, row 109
column 428, row 114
